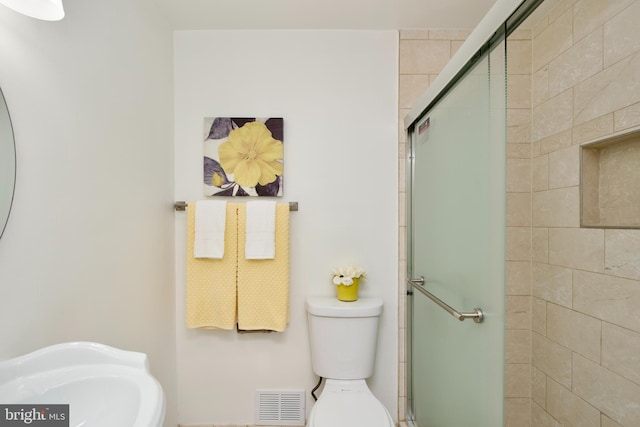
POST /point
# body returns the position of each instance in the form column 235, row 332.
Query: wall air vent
column 280, row 407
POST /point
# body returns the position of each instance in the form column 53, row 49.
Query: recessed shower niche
column 610, row 182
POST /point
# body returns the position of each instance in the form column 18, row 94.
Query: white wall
column 87, row 253
column 337, row 93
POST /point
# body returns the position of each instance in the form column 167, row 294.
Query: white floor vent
column 280, row 407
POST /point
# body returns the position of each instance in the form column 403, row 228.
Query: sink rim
column 52, row 368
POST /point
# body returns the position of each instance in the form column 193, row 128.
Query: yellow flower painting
column 243, row 156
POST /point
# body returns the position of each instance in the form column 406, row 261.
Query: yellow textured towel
column 263, row 284
column 211, row 283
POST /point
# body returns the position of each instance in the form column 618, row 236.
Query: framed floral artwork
column 243, row 156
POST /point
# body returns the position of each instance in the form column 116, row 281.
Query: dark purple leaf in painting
column 220, row 128
column 211, row 167
column 240, row 121
column 241, row 192
column 225, row 192
column 276, row 128
column 269, row 189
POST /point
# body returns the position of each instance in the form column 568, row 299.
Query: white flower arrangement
column 345, row 275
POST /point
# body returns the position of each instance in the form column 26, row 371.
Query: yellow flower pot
column 348, row 293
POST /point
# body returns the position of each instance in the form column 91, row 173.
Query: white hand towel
column 211, row 216
column 260, row 242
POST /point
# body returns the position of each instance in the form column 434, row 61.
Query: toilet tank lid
column 332, row 307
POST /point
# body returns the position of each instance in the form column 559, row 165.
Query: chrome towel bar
column 181, row 206
column 477, row 315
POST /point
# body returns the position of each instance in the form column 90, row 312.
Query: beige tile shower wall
column 519, row 219
column 423, row 54
column 585, row 282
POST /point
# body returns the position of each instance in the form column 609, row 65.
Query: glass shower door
column 457, row 244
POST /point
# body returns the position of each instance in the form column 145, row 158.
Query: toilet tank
column 343, row 336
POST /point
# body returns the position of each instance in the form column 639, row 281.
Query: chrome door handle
column 477, row 315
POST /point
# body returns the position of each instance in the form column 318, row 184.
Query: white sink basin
column 103, row 386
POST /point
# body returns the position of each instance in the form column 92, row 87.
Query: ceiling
column 325, row 14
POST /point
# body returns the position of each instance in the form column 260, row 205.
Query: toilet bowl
column 348, row 403
column 343, row 338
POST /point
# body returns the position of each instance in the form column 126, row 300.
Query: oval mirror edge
column 10, row 194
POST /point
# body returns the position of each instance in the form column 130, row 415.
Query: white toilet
column 343, row 338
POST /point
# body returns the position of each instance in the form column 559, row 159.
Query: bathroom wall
column 87, row 253
column 586, row 281
column 337, row 92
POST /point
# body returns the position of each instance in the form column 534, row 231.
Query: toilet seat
column 348, row 404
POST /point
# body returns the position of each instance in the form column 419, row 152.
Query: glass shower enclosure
column 456, row 242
